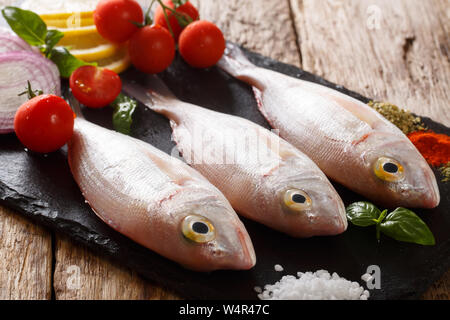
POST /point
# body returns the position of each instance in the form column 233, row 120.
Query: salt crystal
column 278, row 268
column 258, row 289
column 366, row 277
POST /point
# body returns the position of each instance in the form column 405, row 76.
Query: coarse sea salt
column 367, row 277
column 320, row 285
column 278, row 268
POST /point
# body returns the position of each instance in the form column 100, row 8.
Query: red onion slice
column 10, row 42
column 16, row 68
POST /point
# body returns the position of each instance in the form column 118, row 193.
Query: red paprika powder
column 434, row 147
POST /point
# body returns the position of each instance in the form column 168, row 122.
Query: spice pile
column 434, row 147
column 403, row 119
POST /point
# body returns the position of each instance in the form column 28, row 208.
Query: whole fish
column 352, row 143
column 265, row 178
column 157, row 200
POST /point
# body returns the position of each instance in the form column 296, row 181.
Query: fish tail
column 234, row 60
column 155, row 94
column 237, row 65
column 74, row 104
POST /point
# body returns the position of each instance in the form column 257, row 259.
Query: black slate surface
column 41, row 188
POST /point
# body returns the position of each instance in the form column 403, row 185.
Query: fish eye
column 389, row 170
column 198, row 229
column 296, row 200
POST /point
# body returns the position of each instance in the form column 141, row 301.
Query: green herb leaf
column 362, row 214
column 404, row 225
column 26, row 24
column 52, row 38
column 124, row 108
column 65, row 61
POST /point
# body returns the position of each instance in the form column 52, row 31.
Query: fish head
column 210, row 235
column 304, row 202
column 397, row 174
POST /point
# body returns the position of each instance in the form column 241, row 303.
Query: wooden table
column 394, row 51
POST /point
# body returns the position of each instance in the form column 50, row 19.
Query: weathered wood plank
column 390, row 50
column 264, row 26
column 80, row 274
column 25, row 258
column 439, row 290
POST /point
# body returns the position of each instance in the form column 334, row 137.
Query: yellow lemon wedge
column 67, row 16
column 81, row 39
column 69, row 23
column 77, row 33
column 99, row 52
column 118, row 62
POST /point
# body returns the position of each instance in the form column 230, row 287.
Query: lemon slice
column 69, row 23
column 78, row 32
column 67, row 15
column 119, row 66
column 117, row 63
column 81, row 38
column 99, row 52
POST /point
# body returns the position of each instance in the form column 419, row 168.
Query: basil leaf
column 26, row 24
column 124, row 108
column 65, row 61
column 362, row 214
column 52, row 38
column 404, row 225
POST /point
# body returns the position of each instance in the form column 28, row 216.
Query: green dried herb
column 403, row 119
column 445, row 171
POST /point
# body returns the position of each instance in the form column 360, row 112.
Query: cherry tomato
column 201, row 44
column 44, row 123
column 114, row 19
column 186, row 9
column 95, row 87
column 152, row 49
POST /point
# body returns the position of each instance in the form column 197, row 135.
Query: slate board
column 42, row 188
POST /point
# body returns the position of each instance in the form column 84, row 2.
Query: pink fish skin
column 255, row 189
column 346, row 138
column 146, row 195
